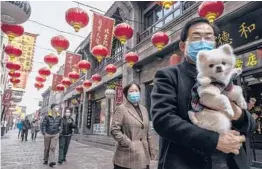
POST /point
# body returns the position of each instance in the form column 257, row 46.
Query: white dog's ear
column 202, row 57
column 227, row 49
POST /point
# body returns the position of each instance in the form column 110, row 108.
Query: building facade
column 46, row 102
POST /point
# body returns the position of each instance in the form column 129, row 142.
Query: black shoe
column 60, row 162
column 52, row 164
column 64, row 160
column 45, row 162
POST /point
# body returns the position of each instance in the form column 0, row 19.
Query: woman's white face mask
column 67, row 114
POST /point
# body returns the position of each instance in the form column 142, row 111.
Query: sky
column 52, row 13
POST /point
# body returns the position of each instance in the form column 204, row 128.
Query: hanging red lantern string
column 211, row 10
column 14, row 75
column 99, row 52
column 123, row 32
column 39, row 85
column 51, row 60
column 66, row 82
column 166, row 4
column 77, row 18
column 131, row 58
column 14, row 81
column 84, row 65
column 44, row 72
column 96, row 78
column 111, row 69
column 60, row 88
column 40, row 79
column 12, row 31
column 13, row 52
column 87, row 84
column 79, row 89
column 74, row 76
column 13, row 66
column 60, row 43
column 160, row 40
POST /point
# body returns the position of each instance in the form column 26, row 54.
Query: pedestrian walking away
column 65, row 136
column 34, row 129
column 20, row 128
column 130, row 128
column 51, row 128
column 26, row 127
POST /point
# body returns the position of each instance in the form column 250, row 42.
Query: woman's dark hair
column 125, row 90
column 192, row 22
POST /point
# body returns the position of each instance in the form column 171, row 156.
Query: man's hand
column 230, row 142
column 237, row 111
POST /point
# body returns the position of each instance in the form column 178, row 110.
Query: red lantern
column 39, row 85
column 74, row 76
column 14, row 81
column 166, row 4
column 60, row 43
column 84, row 66
column 87, row 84
column 44, row 72
column 111, row 69
column 14, row 75
column 13, row 52
column 123, row 32
column 80, row 89
column 51, row 60
column 12, row 31
column 96, row 78
column 99, row 52
column 131, row 58
column 66, row 82
column 40, row 79
column 12, row 66
column 211, row 10
column 77, row 18
column 159, row 40
column 60, row 88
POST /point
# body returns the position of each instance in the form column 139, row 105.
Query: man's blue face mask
column 196, row 46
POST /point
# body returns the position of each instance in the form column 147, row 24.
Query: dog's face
column 217, row 63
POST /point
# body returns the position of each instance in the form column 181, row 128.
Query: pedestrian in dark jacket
column 65, row 136
column 51, row 128
column 34, row 128
column 184, row 145
column 26, row 127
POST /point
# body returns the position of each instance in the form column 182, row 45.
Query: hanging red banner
column 7, row 97
column 23, row 80
column 56, row 80
column 102, row 32
column 119, row 95
column 71, row 62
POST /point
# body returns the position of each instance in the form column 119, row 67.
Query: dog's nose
column 219, row 68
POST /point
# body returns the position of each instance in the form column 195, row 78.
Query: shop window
column 99, row 111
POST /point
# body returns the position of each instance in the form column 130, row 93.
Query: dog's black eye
column 212, row 65
column 223, row 63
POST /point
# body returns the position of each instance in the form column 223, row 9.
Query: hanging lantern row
column 13, row 66
column 12, row 31
column 160, row 40
column 74, row 76
column 44, row 72
column 131, row 58
column 100, row 52
column 211, row 10
column 14, row 81
column 60, row 43
column 84, row 65
column 123, row 32
column 66, row 82
column 39, row 86
column 87, row 84
column 40, row 79
column 79, row 89
column 166, row 4
column 111, row 69
column 14, row 75
column 77, row 18
column 96, row 78
column 51, row 60
column 13, row 52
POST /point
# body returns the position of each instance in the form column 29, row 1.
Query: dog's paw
column 230, row 112
column 242, row 104
column 204, row 81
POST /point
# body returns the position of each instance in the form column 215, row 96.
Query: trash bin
column 2, row 131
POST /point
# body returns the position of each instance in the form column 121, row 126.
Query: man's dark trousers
column 64, row 142
column 24, row 134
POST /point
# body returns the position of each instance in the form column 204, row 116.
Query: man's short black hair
column 125, row 90
column 53, row 105
column 194, row 21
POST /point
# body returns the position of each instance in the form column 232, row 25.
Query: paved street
column 28, row 155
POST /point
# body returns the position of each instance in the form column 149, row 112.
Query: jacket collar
column 189, row 69
column 51, row 114
column 132, row 111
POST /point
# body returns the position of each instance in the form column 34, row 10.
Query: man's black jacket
column 182, row 144
column 67, row 126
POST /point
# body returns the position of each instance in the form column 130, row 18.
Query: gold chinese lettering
column 252, row 60
column 244, row 30
column 224, row 38
column 239, row 63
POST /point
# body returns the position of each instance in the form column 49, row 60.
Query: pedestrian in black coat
column 26, row 127
column 184, row 145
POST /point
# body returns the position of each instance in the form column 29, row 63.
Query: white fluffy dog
column 211, row 108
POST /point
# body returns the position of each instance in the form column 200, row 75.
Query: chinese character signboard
column 7, row 97
column 102, row 32
column 56, row 80
column 23, row 80
column 249, row 60
column 243, row 30
column 26, row 43
column 119, row 95
column 89, row 114
column 71, row 62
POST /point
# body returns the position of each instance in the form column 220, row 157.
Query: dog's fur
column 218, row 64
